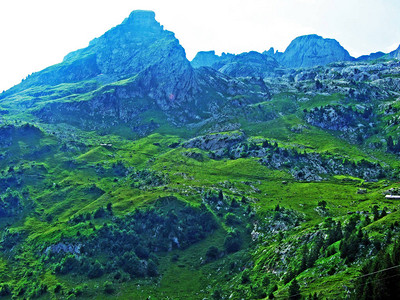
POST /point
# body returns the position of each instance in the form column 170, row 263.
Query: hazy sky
column 36, row 34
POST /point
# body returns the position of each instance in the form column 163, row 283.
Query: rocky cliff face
column 313, row 50
column 302, row 166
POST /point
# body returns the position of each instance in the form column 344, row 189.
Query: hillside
column 127, row 173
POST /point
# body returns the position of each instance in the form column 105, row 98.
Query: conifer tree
column 294, row 290
column 389, row 142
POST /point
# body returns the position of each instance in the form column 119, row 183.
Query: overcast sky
column 36, row 34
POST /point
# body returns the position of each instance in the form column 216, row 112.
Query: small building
column 393, row 197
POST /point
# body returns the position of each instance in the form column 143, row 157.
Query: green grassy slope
column 130, row 212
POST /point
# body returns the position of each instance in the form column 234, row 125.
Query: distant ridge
column 303, row 52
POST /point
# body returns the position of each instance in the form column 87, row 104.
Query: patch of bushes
column 233, row 242
column 131, row 242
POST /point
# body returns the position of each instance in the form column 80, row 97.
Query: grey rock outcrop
column 215, row 141
column 306, row 166
column 64, row 248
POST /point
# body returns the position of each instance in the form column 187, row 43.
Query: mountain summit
column 313, row 50
column 128, row 48
column 143, row 20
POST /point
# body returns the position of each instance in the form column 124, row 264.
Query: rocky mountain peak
column 143, row 17
column 142, row 21
column 205, row 59
column 270, row 52
column 137, row 44
column 313, row 50
column 395, row 54
column 134, row 45
column 139, row 28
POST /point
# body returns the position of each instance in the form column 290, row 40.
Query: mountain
column 242, row 65
column 208, row 58
column 313, row 50
column 372, row 56
column 134, row 71
column 128, row 173
column 248, row 64
column 139, row 48
column 118, row 54
column 395, row 54
column 204, row 59
column 147, row 61
column 303, row 52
